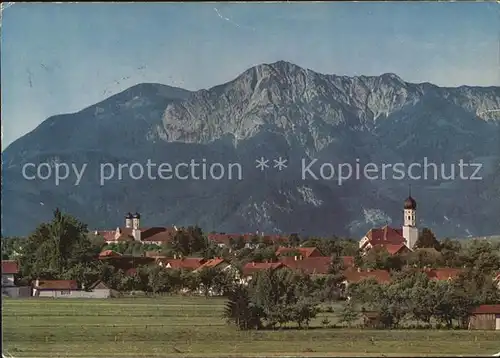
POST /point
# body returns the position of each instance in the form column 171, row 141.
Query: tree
column 283, row 296
column 158, row 279
column 450, row 253
column 11, row 247
column 207, row 278
column 57, row 247
column 358, row 259
column 482, row 256
column 348, row 314
column 303, row 311
column 188, row 241
column 241, row 311
column 294, row 240
column 336, row 265
column 424, row 258
column 239, row 243
column 427, row 239
column 377, row 258
column 423, row 301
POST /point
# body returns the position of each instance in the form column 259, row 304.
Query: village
column 134, row 252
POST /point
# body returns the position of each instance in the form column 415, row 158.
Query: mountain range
column 270, row 111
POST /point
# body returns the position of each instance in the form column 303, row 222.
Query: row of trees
column 273, row 299
column 411, row 295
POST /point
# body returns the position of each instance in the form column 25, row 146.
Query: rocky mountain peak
column 276, row 109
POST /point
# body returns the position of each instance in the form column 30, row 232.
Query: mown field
column 187, row 327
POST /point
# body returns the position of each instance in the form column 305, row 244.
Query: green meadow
column 194, row 327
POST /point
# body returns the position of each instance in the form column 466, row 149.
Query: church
column 395, row 240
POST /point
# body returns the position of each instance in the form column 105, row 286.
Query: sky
column 61, row 58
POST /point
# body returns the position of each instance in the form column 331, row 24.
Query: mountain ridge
column 271, row 110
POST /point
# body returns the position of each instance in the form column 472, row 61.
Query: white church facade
column 395, row 239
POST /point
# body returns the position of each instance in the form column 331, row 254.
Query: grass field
column 177, row 327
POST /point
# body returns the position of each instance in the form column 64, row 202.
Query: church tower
column 410, row 231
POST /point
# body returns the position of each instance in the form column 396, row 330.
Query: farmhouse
column 309, row 265
column 69, row 289
column 251, row 268
column 485, row 317
column 299, row 251
column 393, row 249
column 9, row 270
column 54, row 288
column 355, row 276
column 187, row 263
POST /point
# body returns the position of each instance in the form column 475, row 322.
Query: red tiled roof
column 309, row 265
column 56, row 285
column 348, row 261
column 124, row 237
column 445, row 273
column 108, row 235
column 252, row 267
column 387, row 235
column 223, row 238
column 148, row 234
column 188, row 263
column 109, row 253
column 487, row 309
column 381, row 276
column 211, row 263
column 303, row 251
column 392, row 249
column 9, row 267
column 158, row 234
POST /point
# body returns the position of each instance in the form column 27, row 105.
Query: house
column 309, row 265
column 97, row 290
column 108, row 254
column 133, row 232
column 407, row 235
column 355, row 276
column 69, row 289
column 154, row 254
column 54, row 288
column 9, row 270
column 442, row 274
column 382, row 237
column 393, row 249
column 222, row 265
column 348, row 261
column 301, row 251
column 251, row 268
column 217, row 262
column 9, row 288
column 485, row 317
column 187, row 263
column 127, row 262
